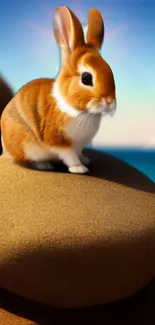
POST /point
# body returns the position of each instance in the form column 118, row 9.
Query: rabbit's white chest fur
column 83, row 128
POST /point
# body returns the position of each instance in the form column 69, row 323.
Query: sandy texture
column 72, row 240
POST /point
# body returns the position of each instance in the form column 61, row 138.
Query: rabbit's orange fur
column 105, row 86
column 33, row 101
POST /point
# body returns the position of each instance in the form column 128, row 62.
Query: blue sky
column 28, row 50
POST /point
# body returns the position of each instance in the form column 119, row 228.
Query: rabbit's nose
column 109, row 99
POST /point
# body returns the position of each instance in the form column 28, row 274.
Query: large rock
column 6, row 94
column 76, row 240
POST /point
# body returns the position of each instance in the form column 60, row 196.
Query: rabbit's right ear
column 68, row 30
column 95, row 31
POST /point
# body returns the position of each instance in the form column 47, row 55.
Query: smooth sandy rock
column 76, row 240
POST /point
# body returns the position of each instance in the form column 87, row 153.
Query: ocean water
column 141, row 159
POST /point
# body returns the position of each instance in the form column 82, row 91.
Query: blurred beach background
column 28, row 50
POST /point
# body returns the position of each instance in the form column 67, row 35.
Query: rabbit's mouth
column 102, row 107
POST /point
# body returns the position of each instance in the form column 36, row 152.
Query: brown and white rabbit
column 50, row 119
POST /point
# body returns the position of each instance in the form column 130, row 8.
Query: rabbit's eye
column 87, row 79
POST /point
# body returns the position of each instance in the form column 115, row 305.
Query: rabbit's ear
column 67, row 29
column 95, row 31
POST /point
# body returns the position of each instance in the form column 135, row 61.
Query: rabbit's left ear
column 95, row 31
column 67, row 29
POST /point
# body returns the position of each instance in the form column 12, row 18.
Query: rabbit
column 54, row 119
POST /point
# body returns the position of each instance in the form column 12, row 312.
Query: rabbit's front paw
column 80, row 169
